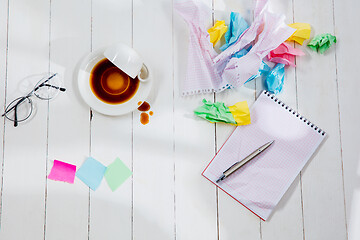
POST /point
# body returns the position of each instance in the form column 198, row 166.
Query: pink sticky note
column 285, row 54
column 62, row 171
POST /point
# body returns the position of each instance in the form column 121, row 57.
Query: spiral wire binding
column 302, row 118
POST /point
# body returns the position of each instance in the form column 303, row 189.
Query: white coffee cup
column 128, row 60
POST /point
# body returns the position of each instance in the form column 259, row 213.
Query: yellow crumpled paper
column 302, row 32
column 217, row 31
column 241, row 113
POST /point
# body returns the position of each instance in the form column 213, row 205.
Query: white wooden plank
column 153, row 143
column 195, row 197
column 3, row 52
column 234, row 219
column 111, row 137
column 323, row 196
column 69, row 128
column 286, row 221
column 25, row 149
column 346, row 14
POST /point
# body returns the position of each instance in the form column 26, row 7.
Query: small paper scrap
column 285, row 54
column 63, row 172
column 275, row 80
column 263, row 70
column 238, row 114
column 116, row 174
column 91, row 173
column 217, row 31
column 322, row 42
column 236, row 27
column 302, row 32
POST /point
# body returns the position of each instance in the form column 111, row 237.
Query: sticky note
column 275, row 80
column 91, row 173
column 215, row 112
column 116, row 174
column 322, row 42
column 241, row 113
column 237, row 26
column 285, row 54
column 217, row 31
column 63, row 172
column 302, row 32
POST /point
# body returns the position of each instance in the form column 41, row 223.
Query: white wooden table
column 167, row 198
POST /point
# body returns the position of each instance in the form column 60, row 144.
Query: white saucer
column 96, row 104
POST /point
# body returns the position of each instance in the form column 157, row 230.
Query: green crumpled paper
column 322, row 42
column 215, row 112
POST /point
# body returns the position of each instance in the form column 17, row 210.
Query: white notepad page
column 260, row 184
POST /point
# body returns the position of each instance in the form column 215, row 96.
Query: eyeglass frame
column 21, row 99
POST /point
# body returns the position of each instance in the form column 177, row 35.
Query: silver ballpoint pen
column 239, row 164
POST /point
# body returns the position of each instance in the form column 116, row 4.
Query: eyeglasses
column 21, row 108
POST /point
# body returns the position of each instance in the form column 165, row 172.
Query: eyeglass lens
column 19, row 110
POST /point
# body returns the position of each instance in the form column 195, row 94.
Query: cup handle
column 144, row 74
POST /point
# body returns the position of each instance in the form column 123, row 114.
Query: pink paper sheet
column 62, row 171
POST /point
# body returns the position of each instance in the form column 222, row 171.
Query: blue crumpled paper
column 275, row 79
column 236, row 27
column 263, row 70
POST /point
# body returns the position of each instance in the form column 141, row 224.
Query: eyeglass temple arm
column 43, row 83
column 15, row 106
column 60, row 88
column 15, row 116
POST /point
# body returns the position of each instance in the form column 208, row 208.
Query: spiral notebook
column 261, row 183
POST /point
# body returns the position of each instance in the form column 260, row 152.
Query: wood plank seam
column 297, row 108
column 339, row 118
column 215, row 139
column 47, row 128
column 173, row 95
column 5, row 94
column 132, row 135
column 90, row 122
column 132, row 167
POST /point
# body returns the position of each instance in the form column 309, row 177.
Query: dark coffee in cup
column 110, row 84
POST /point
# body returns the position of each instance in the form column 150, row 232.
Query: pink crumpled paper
column 285, row 54
column 211, row 72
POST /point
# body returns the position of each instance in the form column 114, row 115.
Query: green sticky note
column 215, row 112
column 116, row 174
column 322, row 42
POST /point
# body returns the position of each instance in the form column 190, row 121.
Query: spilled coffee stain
column 144, row 118
column 144, row 107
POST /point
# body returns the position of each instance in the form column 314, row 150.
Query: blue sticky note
column 91, row 173
column 275, row 80
column 236, row 27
